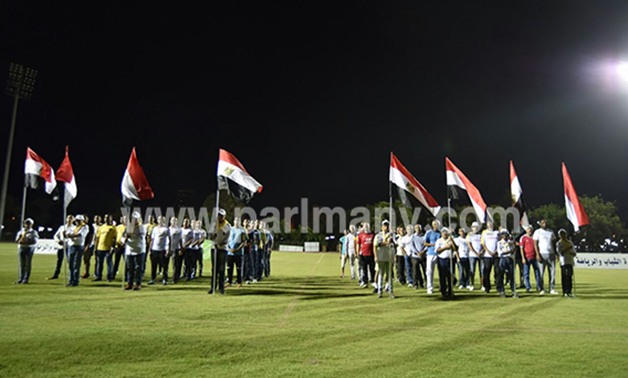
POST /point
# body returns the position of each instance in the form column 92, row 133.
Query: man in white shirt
column 219, row 258
column 159, row 246
column 417, row 252
column 489, row 246
column 544, row 241
column 76, row 235
column 474, row 241
column 384, row 256
column 135, row 249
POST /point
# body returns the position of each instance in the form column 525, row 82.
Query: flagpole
column 392, row 227
column 65, row 250
column 214, row 267
column 23, row 214
column 451, row 255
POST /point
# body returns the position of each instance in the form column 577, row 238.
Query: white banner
column 601, row 260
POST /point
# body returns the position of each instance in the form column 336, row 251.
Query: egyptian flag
column 458, row 183
column 405, row 182
column 233, row 178
column 65, row 174
column 36, row 169
column 516, row 193
column 575, row 211
column 134, row 185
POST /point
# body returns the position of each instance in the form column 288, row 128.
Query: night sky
column 313, row 96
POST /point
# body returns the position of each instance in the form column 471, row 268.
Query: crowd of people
column 245, row 246
column 410, row 256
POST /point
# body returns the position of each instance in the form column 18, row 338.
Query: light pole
column 20, row 85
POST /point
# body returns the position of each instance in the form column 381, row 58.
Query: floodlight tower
column 20, row 86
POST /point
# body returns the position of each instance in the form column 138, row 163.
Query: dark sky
column 313, row 96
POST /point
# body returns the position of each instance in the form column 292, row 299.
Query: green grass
column 305, row 321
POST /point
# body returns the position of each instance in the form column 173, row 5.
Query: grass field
column 305, row 321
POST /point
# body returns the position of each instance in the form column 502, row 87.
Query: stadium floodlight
column 20, row 85
column 621, row 70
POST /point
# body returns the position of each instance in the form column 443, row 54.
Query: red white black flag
column 457, row 183
column 406, row 182
column 516, row 194
column 575, row 211
column 65, row 174
column 36, row 169
column 233, row 178
column 134, row 185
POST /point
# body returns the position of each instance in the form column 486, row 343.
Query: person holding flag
column 384, row 257
column 76, row 245
column 220, row 238
column 567, row 252
column 26, row 240
column 134, row 239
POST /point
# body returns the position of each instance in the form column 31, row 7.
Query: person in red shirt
column 364, row 246
column 530, row 257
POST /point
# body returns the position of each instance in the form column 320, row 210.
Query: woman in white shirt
column 464, row 267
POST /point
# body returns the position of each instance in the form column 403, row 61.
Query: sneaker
column 469, row 287
column 515, row 295
column 254, row 280
column 527, row 290
column 164, row 282
column 97, row 280
column 429, row 291
column 553, row 291
column 362, row 284
column 128, row 287
column 137, row 287
column 460, row 287
column 410, row 285
column 484, row 289
column 542, row 292
column 151, row 282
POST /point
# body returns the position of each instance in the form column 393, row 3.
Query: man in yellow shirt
column 104, row 242
column 118, row 249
